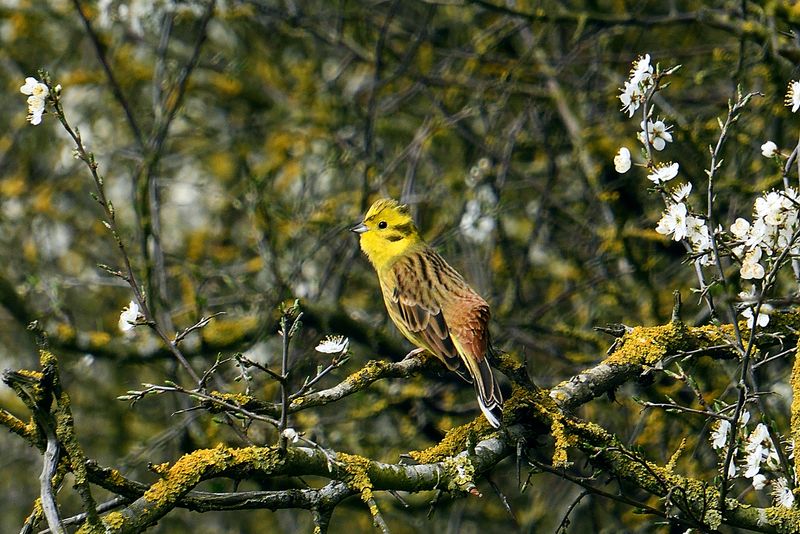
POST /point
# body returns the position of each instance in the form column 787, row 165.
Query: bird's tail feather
column 488, row 391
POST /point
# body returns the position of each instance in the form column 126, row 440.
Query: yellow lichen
column 563, row 441
column 115, row 477
column 461, row 473
column 35, row 375
column 114, row 520
column 783, row 519
column 46, row 358
column 647, row 345
column 237, row 399
column 366, row 373
column 16, row 425
column 357, row 468
column 191, row 468
column 670, row 467
column 454, row 441
column 160, row 469
column 795, row 408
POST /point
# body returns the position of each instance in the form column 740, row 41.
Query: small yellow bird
column 428, row 301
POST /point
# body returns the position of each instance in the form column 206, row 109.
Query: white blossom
column 759, row 449
column 642, row 70
column 751, row 269
column 333, row 345
column 657, row 133
column 753, row 462
column 129, row 316
column 681, row 193
column 673, row 222
column 769, row 149
column 476, row 225
column 697, row 233
column 291, row 435
column 749, row 297
column 719, row 436
column 622, row 160
column 773, row 208
column 632, row 94
column 740, row 227
column 37, row 98
column 762, row 320
column 663, row 173
column 793, row 95
column 759, row 231
column 759, row 481
column 782, row 493
column 732, row 470
column 744, row 418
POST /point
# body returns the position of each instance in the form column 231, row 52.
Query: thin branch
column 49, row 466
column 78, row 519
column 112, row 80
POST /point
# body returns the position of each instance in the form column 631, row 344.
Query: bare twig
column 202, row 323
column 290, row 322
column 116, row 90
column 49, row 466
column 107, row 506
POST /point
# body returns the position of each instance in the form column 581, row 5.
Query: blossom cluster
column 37, row 98
column 677, row 221
column 637, row 85
column 774, row 229
column 755, row 246
column 760, row 454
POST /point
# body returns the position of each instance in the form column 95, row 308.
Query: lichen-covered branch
column 645, row 348
column 452, row 465
column 372, row 371
column 361, row 475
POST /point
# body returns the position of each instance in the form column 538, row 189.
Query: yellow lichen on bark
column 114, row 520
column 191, row 468
column 34, row 375
column 647, row 345
column 795, row 408
column 237, row 399
column 454, row 441
column 357, row 468
column 462, row 473
column 563, row 440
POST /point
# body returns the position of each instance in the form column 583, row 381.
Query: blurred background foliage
column 497, row 121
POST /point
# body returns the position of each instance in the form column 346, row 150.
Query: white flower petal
column 129, row 316
column 622, row 161
column 769, row 149
column 664, row 173
column 333, row 345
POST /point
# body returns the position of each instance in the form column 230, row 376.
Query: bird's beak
column 360, row 228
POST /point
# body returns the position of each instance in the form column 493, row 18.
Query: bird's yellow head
column 387, row 232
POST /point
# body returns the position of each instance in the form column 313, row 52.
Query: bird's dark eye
column 382, row 225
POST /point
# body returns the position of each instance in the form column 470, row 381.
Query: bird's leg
column 414, row 353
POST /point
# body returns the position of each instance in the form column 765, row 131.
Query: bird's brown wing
column 434, row 308
column 414, row 302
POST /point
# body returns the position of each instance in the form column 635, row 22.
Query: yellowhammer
column 428, row 301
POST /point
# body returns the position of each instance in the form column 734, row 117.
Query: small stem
column 284, row 389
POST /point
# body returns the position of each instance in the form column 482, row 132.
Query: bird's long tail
column 490, row 398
